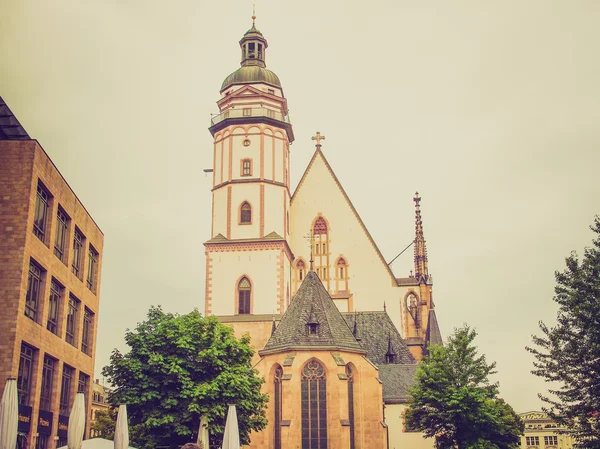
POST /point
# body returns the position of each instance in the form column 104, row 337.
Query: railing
column 249, row 112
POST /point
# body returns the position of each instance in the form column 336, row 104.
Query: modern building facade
column 50, row 265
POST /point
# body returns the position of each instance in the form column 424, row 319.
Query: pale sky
column 488, row 108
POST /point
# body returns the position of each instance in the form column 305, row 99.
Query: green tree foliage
column 180, row 367
column 569, row 353
column 453, row 400
column 104, row 423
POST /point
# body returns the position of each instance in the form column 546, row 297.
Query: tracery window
column 341, row 268
column 277, row 408
column 320, row 249
column 350, row 375
column 246, row 213
column 244, row 290
column 301, row 269
column 314, row 406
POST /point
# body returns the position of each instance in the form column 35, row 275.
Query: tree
column 569, row 353
column 104, row 423
column 453, row 400
column 180, row 367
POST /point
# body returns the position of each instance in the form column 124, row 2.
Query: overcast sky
column 488, row 108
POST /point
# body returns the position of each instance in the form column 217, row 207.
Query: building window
column 532, row 441
column 350, row 376
column 92, row 270
column 56, row 291
column 244, row 291
column 41, row 212
column 25, row 372
column 86, row 334
column 72, row 319
column 246, row 167
column 314, row 406
column 551, row 440
column 277, row 408
column 82, row 384
column 78, row 240
column 247, row 112
column 320, row 226
column 246, row 213
column 301, row 267
column 65, row 390
column 60, row 242
column 41, row 442
column 47, row 381
column 341, row 266
column 34, row 287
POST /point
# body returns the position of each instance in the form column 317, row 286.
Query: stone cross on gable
column 311, row 241
column 318, row 138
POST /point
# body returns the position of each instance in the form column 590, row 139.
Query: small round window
column 246, row 142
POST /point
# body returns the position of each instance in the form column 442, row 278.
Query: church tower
column 248, row 256
column 420, row 322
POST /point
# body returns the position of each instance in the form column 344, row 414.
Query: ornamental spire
column 421, row 270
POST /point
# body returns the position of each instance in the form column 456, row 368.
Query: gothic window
column 350, row 375
column 413, row 308
column 314, row 406
column 341, row 268
column 246, row 213
column 320, row 226
column 246, row 167
column 277, row 407
column 244, row 290
column 301, row 269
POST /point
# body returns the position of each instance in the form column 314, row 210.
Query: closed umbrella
column 203, row 433
column 76, row 423
column 9, row 415
column 231, row 438
column 121, row 429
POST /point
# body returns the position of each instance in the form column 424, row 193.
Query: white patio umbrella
column 9, row 415
column 203, row 433
column 231, row 438
column 122, row 429
column 76, row 423
column 96, row 443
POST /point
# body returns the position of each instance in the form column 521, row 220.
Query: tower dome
column 253, row 67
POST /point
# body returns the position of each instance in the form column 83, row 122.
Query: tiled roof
column 374, row 331
column 10, row 128
column 433, row 335
column 413, row 281
column 397, row 381
column 312, row 303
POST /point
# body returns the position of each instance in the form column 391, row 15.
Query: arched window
column 413, row 308
column 244, row 290
column 277, row 407
column 314, row 406
column 350, row 375
column 341, row 268
column 320, row 226
column 246, row 213
column 301, row 269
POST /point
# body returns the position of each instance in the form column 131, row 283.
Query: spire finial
column 253, row 13
column 421, row 269
column 273, row 326
column 318, row 137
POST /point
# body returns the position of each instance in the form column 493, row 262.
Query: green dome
column 251, row 74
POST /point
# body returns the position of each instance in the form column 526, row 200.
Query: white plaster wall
column 279, row 165
column 274, row 209
column 219, row 212
column 369, row 280
column 261, row 269
column 400, row 439
column 239, row 194
column 268, row 155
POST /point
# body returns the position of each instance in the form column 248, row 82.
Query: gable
column 320, row 186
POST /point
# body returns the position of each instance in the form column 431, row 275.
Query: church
column 337, row 333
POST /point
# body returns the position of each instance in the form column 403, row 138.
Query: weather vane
column 311, row 239
column 253, row 13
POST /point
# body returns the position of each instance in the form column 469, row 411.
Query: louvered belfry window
column 314, row 406
column 244, row 290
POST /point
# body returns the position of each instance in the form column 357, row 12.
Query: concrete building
column 50, row 265
column 99, row 403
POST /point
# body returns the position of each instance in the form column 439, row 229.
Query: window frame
column 66, row 384
column 246, row 167
column 245, row 216
column 92, row 269
column 26, row 361
column 87, row 331
column 54, row 302
column 78, row 248
column 48, row 371
column 42, row 203
column 244, row 297
column 313, row 379
column 62, row 235
column 72, row 318
column 34, row 290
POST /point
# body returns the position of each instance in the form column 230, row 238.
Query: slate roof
column 433, row 335
column 374, row 331
column 10, row 128
column 397, row 381
column 312, row 303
